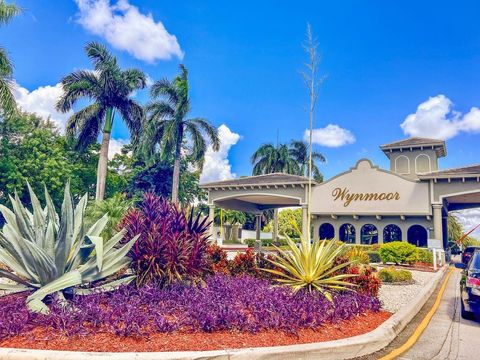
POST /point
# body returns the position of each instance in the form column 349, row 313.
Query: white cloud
column 436, row 118
column 41, row 101
column 330, row 136
column 125, row 28
column 469, row 219
column 217, row 165
column 115, row 147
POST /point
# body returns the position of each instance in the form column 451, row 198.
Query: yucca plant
column 310, row 266
column 47, row 253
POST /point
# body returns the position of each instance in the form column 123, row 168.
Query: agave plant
column 48, row 254
column 310, row 266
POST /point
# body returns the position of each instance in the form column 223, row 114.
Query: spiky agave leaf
column 48, row 253
column 310, row 266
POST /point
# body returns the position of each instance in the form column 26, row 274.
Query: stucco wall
column 414, row 159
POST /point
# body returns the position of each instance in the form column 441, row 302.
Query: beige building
column 366, row 204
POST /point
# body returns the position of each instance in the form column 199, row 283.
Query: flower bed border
column 338, row 349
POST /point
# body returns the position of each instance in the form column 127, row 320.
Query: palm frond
column 199, row 146
column 101, row 58
column 132, row 114
column 85, row 125
column 77, row 85
column 7, row 12
column 135, row 79
column 211, row 131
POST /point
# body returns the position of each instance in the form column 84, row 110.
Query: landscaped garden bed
column 225, row 312
column 159, row 284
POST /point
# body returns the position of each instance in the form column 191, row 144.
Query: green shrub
column 265, row 242
column 374, row 256
column 390, row 275
column 424, row 256
column 398, row 252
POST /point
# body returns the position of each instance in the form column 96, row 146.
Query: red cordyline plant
column 172, row 245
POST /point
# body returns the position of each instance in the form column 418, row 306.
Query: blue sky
column 382, row 60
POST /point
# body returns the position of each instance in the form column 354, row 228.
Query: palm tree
column 7, row 101
column 167, row 126
column 109, row 89
column 299, row 150
column 271, row 159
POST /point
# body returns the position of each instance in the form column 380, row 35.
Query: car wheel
column 465, row 314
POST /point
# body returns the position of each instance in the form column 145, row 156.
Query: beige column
column 437, row 221
column 305, row 230
column 275, row 226
column 211, row 218
column 258, row 229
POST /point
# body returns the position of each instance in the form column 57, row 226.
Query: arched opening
column 402, row 165
column 347, row 233
column 422, row 164
column 326, row 231
column 391, row 233
column 417, row 235
column 369, row 234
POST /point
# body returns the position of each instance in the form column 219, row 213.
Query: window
column 391, row 233
column 369, row 234
column 347, row 233
column 417, row 235
column 422, row 164
column 326, row 231
column 402, row 165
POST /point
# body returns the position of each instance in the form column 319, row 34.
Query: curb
column 348, row 348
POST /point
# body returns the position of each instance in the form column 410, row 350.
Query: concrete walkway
column 448, row 336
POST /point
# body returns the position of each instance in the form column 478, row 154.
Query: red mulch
column 103, row 342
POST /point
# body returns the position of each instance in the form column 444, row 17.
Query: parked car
column 470, row 287
column 467, row 253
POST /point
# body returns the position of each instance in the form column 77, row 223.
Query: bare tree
column 312, row 80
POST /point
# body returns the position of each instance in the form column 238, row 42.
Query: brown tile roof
column 463, row 171
column 259, row 180
column 417, row 142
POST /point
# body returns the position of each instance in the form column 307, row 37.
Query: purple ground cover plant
column 222, row 303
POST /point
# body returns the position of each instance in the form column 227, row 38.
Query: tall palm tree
column 108, row 88
column 7, row 101
column 166, row 127
column 299, row 150
column 270, row 159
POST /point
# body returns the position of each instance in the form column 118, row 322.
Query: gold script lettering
column 342, row 194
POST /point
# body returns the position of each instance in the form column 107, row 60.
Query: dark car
column 467, row 253
column 470, row 287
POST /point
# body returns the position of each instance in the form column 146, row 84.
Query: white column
column 211, row 218
column 258, row 226
column 437, row 221
column 305, row 230
column 275, row 225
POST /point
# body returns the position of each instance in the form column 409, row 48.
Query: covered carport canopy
column 258, row 193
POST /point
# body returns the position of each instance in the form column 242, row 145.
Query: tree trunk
column 176, row 167
column 102, row 167
column 103, row 158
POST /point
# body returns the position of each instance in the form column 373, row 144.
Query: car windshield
column 475, row 263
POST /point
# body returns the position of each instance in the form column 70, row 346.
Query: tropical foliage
column 222, row 303
column 48, row 253
column 284, row 158
column 289, row 220
column 33, row 150
column 173, row 244
column 311, row 266
column 7, row 101
column 109, row 88
column 115, row 207
column 167, row 127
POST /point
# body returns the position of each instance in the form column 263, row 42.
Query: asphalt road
column 447, row 336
